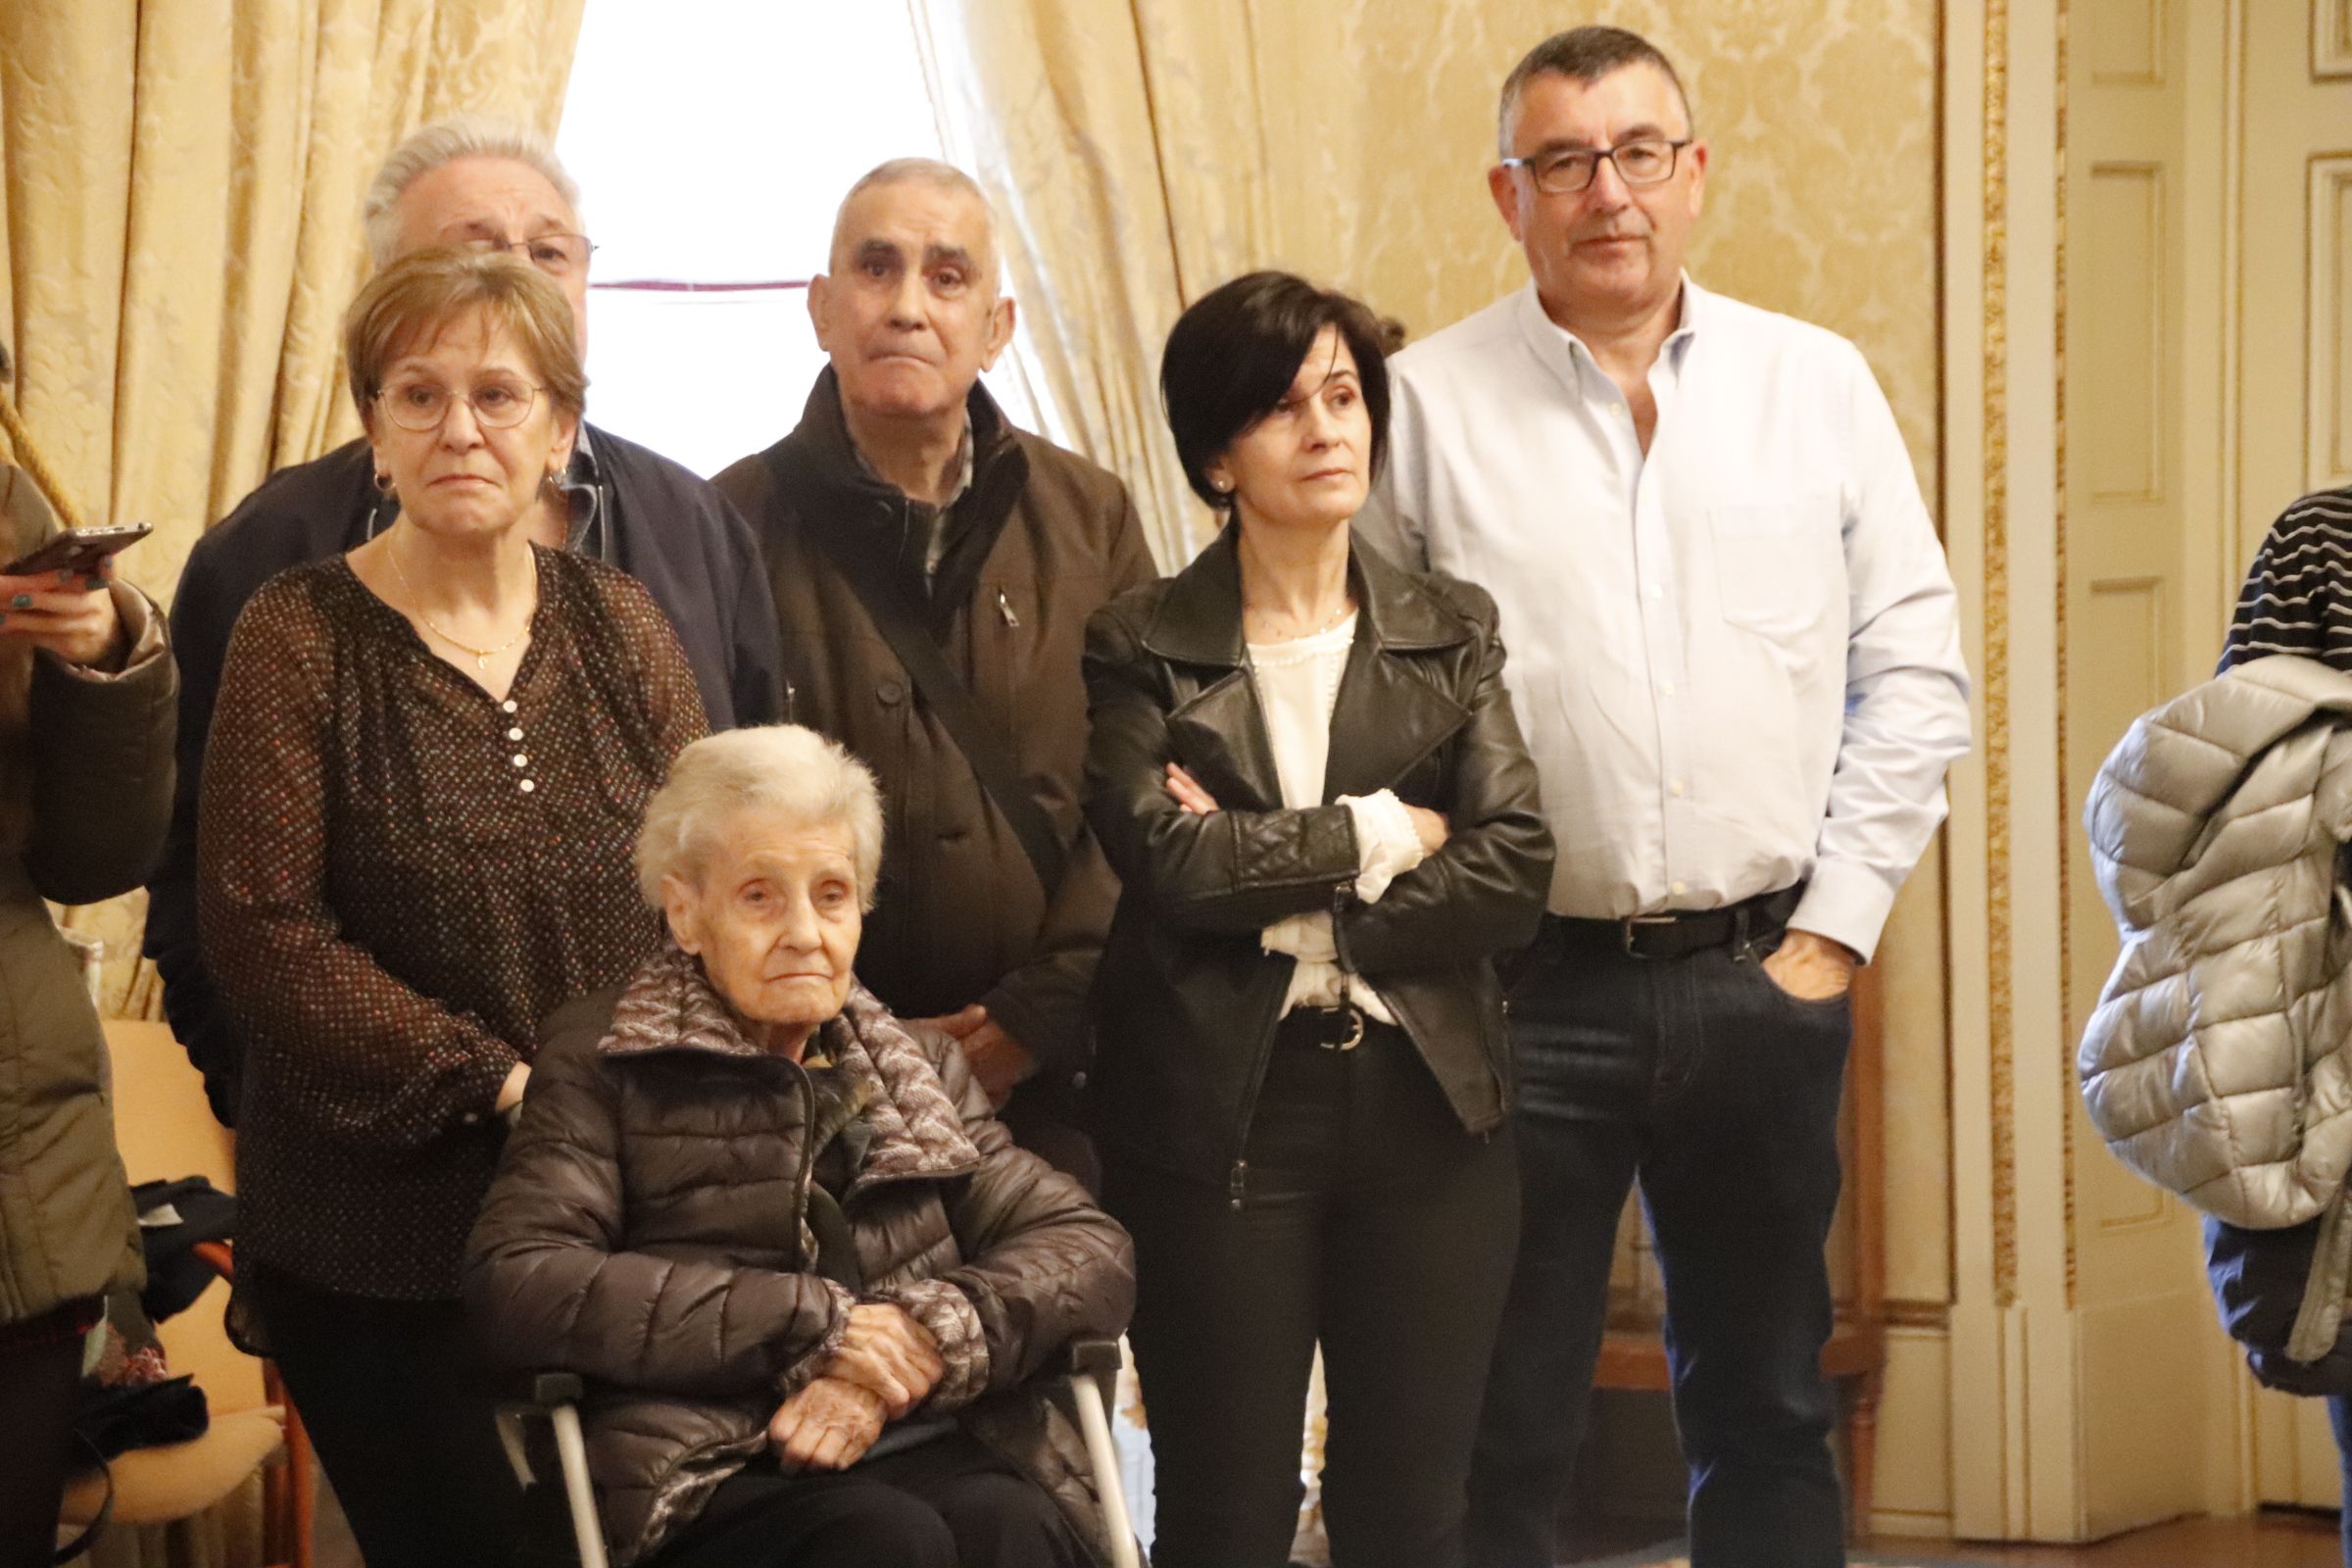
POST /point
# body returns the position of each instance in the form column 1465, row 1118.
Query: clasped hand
column 885, row 1365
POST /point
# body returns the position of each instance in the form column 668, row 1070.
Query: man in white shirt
column 1734, row 651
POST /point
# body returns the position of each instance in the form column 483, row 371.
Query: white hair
column 445, row 142
column 940, row 177
column 783, row 771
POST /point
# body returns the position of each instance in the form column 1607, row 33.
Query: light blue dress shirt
column 1737, row 660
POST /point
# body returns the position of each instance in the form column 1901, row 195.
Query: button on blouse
column 390, row 911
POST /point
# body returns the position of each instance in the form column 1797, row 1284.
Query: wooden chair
column 1633, row 1353
column 166, row 1131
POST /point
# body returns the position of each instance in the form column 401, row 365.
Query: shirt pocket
column 1779, row 565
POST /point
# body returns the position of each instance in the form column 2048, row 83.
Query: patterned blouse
column 399, row 876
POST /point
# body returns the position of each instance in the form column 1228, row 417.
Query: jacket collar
column 1387, row 717
column 670, row 1005
column 1198, row 618
column 820, row 469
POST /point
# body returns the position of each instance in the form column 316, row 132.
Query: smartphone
column 79, row 551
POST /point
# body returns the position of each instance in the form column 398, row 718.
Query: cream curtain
column 179, row 194
column 1049, row 104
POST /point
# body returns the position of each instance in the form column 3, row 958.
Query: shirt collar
column 591, row 533
column 960, row 466
column 1566, row 351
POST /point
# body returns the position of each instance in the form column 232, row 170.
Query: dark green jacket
column 85, row 793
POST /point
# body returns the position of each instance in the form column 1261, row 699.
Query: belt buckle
column 1628, row 926
column 1356, row 1027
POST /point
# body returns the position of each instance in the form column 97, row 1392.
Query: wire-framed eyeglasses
column 421, row 405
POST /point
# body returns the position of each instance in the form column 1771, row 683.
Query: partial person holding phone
column 87, row 697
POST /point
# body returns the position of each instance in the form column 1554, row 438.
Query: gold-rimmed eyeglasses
column 558, row 256
column 421, row 405
column 1643, row 160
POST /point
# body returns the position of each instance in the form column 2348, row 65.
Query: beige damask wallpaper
column 1378, row 121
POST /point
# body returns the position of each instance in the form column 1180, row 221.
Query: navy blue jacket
column 665, row 527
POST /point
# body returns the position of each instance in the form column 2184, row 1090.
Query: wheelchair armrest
column 550, row 1389
column 543, row 1391
column 1094, row 1358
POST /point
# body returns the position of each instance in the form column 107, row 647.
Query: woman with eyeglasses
column 426, row 767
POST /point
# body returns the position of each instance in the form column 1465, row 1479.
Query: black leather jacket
column 1186, row 1000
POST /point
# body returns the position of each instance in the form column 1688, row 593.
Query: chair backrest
column 165, row 1128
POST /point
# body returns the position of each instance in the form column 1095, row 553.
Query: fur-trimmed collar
column 670, row 1004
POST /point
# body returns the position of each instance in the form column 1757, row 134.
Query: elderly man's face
column 909, row 312
column 505, row 202
column 1612, row 251
column 775, row 919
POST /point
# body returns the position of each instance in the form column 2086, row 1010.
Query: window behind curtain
column 712, row 140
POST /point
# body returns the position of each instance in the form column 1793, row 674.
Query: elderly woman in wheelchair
column 808, row 1281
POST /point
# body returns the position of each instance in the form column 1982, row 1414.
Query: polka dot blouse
column 399, row 877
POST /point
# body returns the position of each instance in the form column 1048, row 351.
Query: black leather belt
column 1682, row 932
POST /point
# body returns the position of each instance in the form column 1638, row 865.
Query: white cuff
column 1305, row 937
column 1386, row 844
column 1846, row 903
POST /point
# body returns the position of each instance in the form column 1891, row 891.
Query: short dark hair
column 1231, row 357
column 1586, row 55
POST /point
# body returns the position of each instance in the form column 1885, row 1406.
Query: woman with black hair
column 1305, row 771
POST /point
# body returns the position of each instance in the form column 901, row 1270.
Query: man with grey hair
column 463, row 181
column 1735, row 648
column 936, row 567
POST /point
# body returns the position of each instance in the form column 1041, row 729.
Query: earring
column 383, row 484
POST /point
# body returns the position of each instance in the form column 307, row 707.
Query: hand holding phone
column 63, row 613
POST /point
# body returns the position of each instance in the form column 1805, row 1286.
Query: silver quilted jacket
column 2216, row 1064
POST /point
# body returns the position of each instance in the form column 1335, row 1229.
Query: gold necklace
column 481, row 656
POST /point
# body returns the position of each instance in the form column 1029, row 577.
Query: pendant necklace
column 481, row 656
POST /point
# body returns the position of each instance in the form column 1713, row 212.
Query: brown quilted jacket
column 648, row 1228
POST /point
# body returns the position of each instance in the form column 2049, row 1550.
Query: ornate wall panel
column 2329, row 442
column 2330, row 38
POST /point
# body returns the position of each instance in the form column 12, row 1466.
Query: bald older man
column 934, row 567
column 477, row 183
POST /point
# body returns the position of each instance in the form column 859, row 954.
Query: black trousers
column 39, row 1378
column 947, row 1503
column 1371, row 1223
column 400, row 1409
column 1720, row 1090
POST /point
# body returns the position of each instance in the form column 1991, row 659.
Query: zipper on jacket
column 792, row 702
column 807, row 1170
column 1005, row 608
column 1237, row 1183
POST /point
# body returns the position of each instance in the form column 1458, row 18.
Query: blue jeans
column 1720, row 1092
column 2340, row 1416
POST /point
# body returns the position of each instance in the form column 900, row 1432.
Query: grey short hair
column 922, row 171
column 445, row 142
column 785, row 771
column 1585, row 55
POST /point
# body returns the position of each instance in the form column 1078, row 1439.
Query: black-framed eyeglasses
column 558, row 256
column 1643, row 160
column 421, row 405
